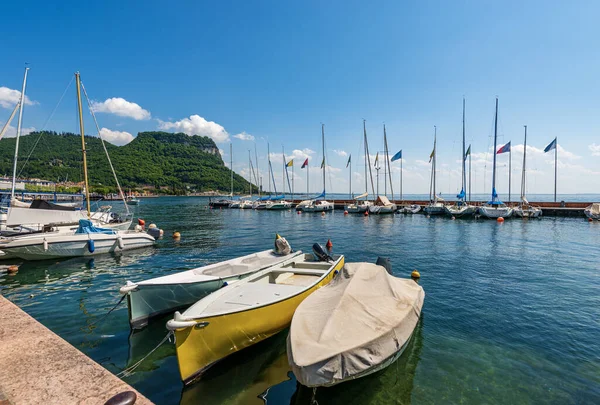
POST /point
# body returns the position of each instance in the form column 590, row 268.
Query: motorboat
column 593, row 211
column 247, row 311
column 279, row 205
column 157, row 296
column 219, row 202
column 356, row 325
column 131, row 200
column 382, row 206
column 87, row 240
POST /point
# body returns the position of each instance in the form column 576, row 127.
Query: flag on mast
column 468, row 152
column 323, row 162
column 504, row 149
column 349, row 160
column 431, row 156
column 290, row 163
column 551, row 146
column 304, row 164
column 376, row 159
column 397, row 156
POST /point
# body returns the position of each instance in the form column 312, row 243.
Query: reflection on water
column 510, row 315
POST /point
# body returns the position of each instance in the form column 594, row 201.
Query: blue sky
column 277, row 70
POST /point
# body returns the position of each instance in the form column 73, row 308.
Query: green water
column 511, row 314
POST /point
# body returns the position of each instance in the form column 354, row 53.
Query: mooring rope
column 108, row 313
column 129, row 370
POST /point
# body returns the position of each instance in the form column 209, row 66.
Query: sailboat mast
column 366, row 155
column 434, row 158
column 83, row 151
column 22, row 105
column 524, row 161
column 387, row 161
column 368, row 158
column 250, row 172
column 464, row 174
column 257, row 172
column 231, row 165
column 323, row 146
column 494, row 194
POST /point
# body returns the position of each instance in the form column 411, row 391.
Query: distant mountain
column 160, row 159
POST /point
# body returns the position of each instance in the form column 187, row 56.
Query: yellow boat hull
column 198, row 348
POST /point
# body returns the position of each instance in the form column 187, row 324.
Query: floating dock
column 39, row 367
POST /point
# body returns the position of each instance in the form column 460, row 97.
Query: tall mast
column 464, row 173
column 22, row 105
column 366, row 155
column 434, row 159
column 231, row 165
column 368, row 158
column 323, row 146
column 387, row 161
column 83, row 151
column 250, row 172
column 257, row 172
column 524, row 160
column 494, row 194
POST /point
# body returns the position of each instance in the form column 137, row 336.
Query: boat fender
column 91, row 246
column 179, row 322
column 138, row 228
column 385, row 263
column 224, row 284
column 120, row 242
column 282, row 246
column 128, row 288
column 45, row 245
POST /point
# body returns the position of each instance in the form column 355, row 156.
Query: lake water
column 511, row 314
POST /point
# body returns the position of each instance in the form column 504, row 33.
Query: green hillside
column 160, row 159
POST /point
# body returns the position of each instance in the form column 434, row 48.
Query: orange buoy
column 176, row 235
column 298, row 212
column 329, row 245
column 590, row 220
column 366, row 213
column 12, row 269
column 500, row 219
column 345, row 212
column 141, row 222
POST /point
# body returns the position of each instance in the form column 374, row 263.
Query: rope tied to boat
column 129, row 370
column 108, row 313
column 313, row 400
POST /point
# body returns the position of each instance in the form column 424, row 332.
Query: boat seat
column 225, row 270
column 303, row 280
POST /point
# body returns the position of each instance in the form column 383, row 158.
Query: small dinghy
column 247, row 311
column 411, row 209
column 157, row 296
column 358, row 324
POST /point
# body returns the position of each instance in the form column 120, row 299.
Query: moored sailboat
column 360, row 206
column 382, row 204
column 319, row 204
column 524, row 209
column 495, row 208
column 461, row 208
column 436, row 204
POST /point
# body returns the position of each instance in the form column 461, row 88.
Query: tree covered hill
column 159, row 159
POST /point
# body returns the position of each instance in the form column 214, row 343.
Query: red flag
column 305, row 163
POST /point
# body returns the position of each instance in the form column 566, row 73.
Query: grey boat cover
column 352, row 325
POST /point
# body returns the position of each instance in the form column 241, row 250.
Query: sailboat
column 360, row 206
column 382, row 205
column 495, row 208
column 246, row 201
column 279, row 202
column 436, row 204
column 87, row 240
column 524, row 209
column 461, row 208
column 315, row 204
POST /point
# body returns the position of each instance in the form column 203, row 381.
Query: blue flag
column 551, row 146
column 397, row 156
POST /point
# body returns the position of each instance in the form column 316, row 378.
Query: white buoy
column 45, row 245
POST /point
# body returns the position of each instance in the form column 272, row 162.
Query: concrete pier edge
column 39, row 367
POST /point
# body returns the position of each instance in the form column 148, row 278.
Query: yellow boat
column 246, row 311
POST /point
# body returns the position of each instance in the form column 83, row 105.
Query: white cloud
column 121, row 107
column 595, row 149
column 9, row 98
column 340, row 152
column 196, row 125
column 11, row 131
column 244, row 136
column 116, row 137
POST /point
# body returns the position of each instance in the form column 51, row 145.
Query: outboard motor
column 385, row 263
column 320, row 253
